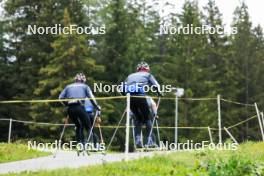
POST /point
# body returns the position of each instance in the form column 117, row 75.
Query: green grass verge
column 247, row 160
column 15, row 152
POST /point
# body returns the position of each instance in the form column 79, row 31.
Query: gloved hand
column 98, row 120
column 160, row 94
column 66, row 120
column 98, row 108
column 64, row 103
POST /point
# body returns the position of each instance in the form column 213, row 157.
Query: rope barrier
column 97, row 98
column 117, row 97
column 197, row 99
column 40, row 123
column 5, row 119
column 115, row 126
column 162, row 127
column 250, row 118
column 238, row 103
column 103, row 126
column 59, row 100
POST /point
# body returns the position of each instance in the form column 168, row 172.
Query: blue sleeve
column 90, row 95
column 154, row 82
column 63, row 94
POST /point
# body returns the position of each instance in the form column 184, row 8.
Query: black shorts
column 140, row 108
column 79, row 116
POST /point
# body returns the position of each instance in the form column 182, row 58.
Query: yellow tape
column 115, row 126
column 238, row 103
column 97, row 98
column 103, row 126
column 242, row 122
column 58, row 100
column 161, row 127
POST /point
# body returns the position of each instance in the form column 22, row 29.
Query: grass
column 247, row 160
column 15, row 152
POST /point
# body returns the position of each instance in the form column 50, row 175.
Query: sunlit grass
column 247, row 160
column 14, row 152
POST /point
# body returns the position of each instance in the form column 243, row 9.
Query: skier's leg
column 73, row 115
column 85, row 121
column 138, row 121
column 149, row 114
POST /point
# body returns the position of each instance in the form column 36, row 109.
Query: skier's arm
column 92, row 98
column 63, row 95
column 153, row 82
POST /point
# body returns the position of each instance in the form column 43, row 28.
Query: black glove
column 98, row 108
column 64, row 103
column 160, row 94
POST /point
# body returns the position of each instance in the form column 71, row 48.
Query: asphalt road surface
column 68, row 159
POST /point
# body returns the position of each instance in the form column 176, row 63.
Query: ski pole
column 61, row 135
column 101, row 135
column 118, row 125
column 157, row 126
column 91, row 130
column 133, row 132
column 152, row 125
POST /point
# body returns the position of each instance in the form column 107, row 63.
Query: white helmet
column 80, row 77
column 143, row 66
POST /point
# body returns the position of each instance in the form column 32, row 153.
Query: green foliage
column 233, row 167
column 71, row 55
column 244, row 161
column 15, row 152
column 40, row 66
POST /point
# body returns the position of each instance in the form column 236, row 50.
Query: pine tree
column 114, row 45
column 219, row 73
column 143, row 33
column 191, row 72
column 244, row 46
column 256, row 78
column 29, row 51
column 71, row 55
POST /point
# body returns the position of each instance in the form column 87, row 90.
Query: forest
column 39, row 66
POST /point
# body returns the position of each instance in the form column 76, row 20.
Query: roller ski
column 151, row 145
column 80, row 153
column 139, row 147
column 96, row 149
column 147, row 149
column 80, row 149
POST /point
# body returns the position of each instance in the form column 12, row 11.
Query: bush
column 234, row 166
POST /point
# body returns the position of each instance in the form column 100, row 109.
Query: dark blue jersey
column 136, row 82
column 78, row 90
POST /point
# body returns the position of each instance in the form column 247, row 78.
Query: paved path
column 67, row 159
